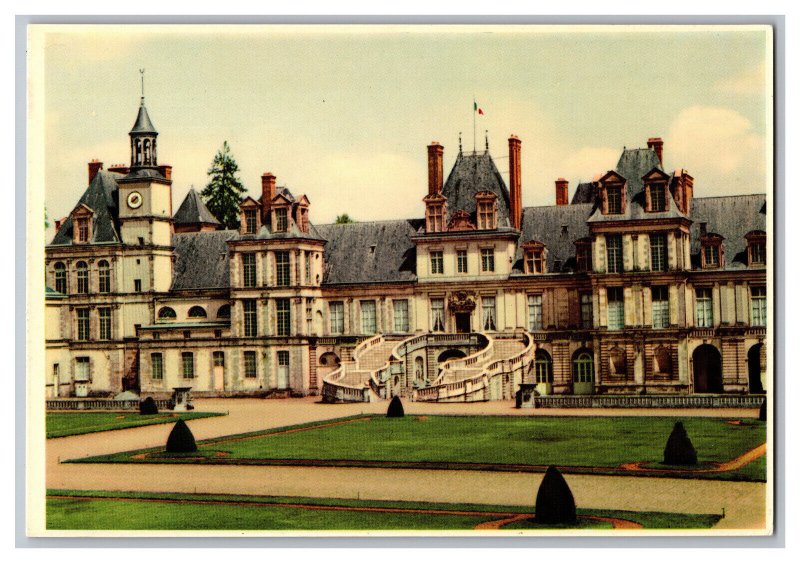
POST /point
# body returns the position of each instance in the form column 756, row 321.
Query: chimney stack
column 562, row 192
column 435, row 168
column 165, row 170
column 515, row 179
column 267, row 195
column 94, row 166
column 657, row 144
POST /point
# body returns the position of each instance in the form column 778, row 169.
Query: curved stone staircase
column 360, row 379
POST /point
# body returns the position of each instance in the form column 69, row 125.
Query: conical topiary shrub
column 762, row 412
column 181, row 440
column 148, row 406
column 395, row 409
column 679, row 449
column 554, row 501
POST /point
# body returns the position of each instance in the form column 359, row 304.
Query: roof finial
column 141, row 71
column 459, row 142
column 487, row 140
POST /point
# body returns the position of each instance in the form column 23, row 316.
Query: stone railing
column 96, row 404
column 649, row 401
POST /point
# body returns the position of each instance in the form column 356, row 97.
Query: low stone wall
column 88, row 404
column 648, row 401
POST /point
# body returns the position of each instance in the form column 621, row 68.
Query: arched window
column 167, row 314
column 61, row 278
column 104, row 276
column 583, row 368
column 544, row 367
column 224, row 312
column 616, row 361
column 662, row 361
column 197, row 312
column 83, row 277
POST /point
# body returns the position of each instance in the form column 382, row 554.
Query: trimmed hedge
column 148, row 406
column 679, row 449
column 554, row 501
column 395, row 409
column 181, row 439
column 762, row 412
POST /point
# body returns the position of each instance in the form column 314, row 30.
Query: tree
column 554, row 501
column 148, row 406
column 46, row 220
column 679, row 449
column 395, row 409
column 224, row 192
column 762, row 412
column 181, row 439
column 343, row 219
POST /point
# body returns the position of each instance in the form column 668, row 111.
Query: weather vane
column 141, row 71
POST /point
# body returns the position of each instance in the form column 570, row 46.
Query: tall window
column 486, row 214
column 249, row 364
column 368, row 324
column 614, row 198
column 82, row 369
column 337, row 317
column 218, row 359
column 534, row 261
column 658, row 252
column 283, row 317
column 489, row 308
column 435, row 218
column 758, row 306
column 250, row 317
column 616, row 308
column 281, row 220
column 400, row 315
column 104, row 276
column 157, row 365
column 587, row 316
column 535, row 312
column 614, row 252
column 658, row 199
column 758, row 253
column 83, row 277
column 461, row 259
column 544, row 367
column 711, row 256
column 137, row 286
column 307, row 262
column 703, row 306
column 187, row 365
column 61, row 278
column 660, row 306
column 487, row 259
column 282, row 271
column 83, row 230
column 104, row 315
column 583, row 256
column 437, row 262
column 83, row 323
column 250, row 221
column 437, row 315
column 249, row 269
column 583, row 368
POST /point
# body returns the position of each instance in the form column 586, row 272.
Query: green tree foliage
column 224, row 192
column 46, row 220
column 554, row 501
column 343, row 218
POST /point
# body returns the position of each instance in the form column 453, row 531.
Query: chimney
column 435, row 168
column 515, row 179
column 94, row 166
column 267, row 195
column 657, row 145
column 165, row 170
column 59, row 222
column 562, row 192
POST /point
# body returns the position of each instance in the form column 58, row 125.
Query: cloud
column 719, row 148
column 748, row 82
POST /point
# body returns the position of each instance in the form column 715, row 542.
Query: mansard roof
column 201, row 260
column 370, row 252
column 101, row 198
column 193, row 211
column 731, row 217
column 584, row 193
column 557, row 227
column 473, row 173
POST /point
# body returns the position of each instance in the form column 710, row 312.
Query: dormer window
column 250, row 221
column 281, row 220
column 583, row 255
column 657, row 198
column 83, row 229
column 434, row 214
column 756, row 248
column 535, row 258
column 304, row 219
column 614, row 200
column 249, row 218
column 612, row 194
column 486, row 206
column 82, row 224
column 711, row 251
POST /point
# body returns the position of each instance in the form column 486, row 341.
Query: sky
column 344, row 114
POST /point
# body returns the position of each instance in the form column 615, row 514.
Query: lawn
column 99, row 510
column 578, row 444
column 60, row 424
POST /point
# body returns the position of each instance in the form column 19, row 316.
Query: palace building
column 634, row 286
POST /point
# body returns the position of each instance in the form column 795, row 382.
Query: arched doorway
column 449, row 355
column 583, row 372
column 754, row 369
column 543, row 365
column 707, row 369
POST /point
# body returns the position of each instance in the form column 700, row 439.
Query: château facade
column 632, row 286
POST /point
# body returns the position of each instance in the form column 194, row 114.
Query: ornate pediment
column 459, row 221
column 461, row 302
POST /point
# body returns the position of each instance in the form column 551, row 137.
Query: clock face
column 134, row 200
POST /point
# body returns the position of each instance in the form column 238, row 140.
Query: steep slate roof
column 584, row 193
column 732, row 217
column 351, row 258
column 546, row 225
column 473, row 173
column 201, row 260
column 100, row 197
column 633, row 165
column 193, row 211
column 143, row 123
column 294, row 232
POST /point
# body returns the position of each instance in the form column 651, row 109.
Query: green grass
column 103, row 513
column 584, row 444
column 60, row 424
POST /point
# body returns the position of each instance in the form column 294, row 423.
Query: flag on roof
column 479, row 110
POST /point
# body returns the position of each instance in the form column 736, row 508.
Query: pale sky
column 345, row 115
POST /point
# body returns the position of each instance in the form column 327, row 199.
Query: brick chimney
column 267, row 195
column 165, row 170
column 435, row 168
column 515, row 179
column 562, row 192
column 94, row 166
column 657, row 144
